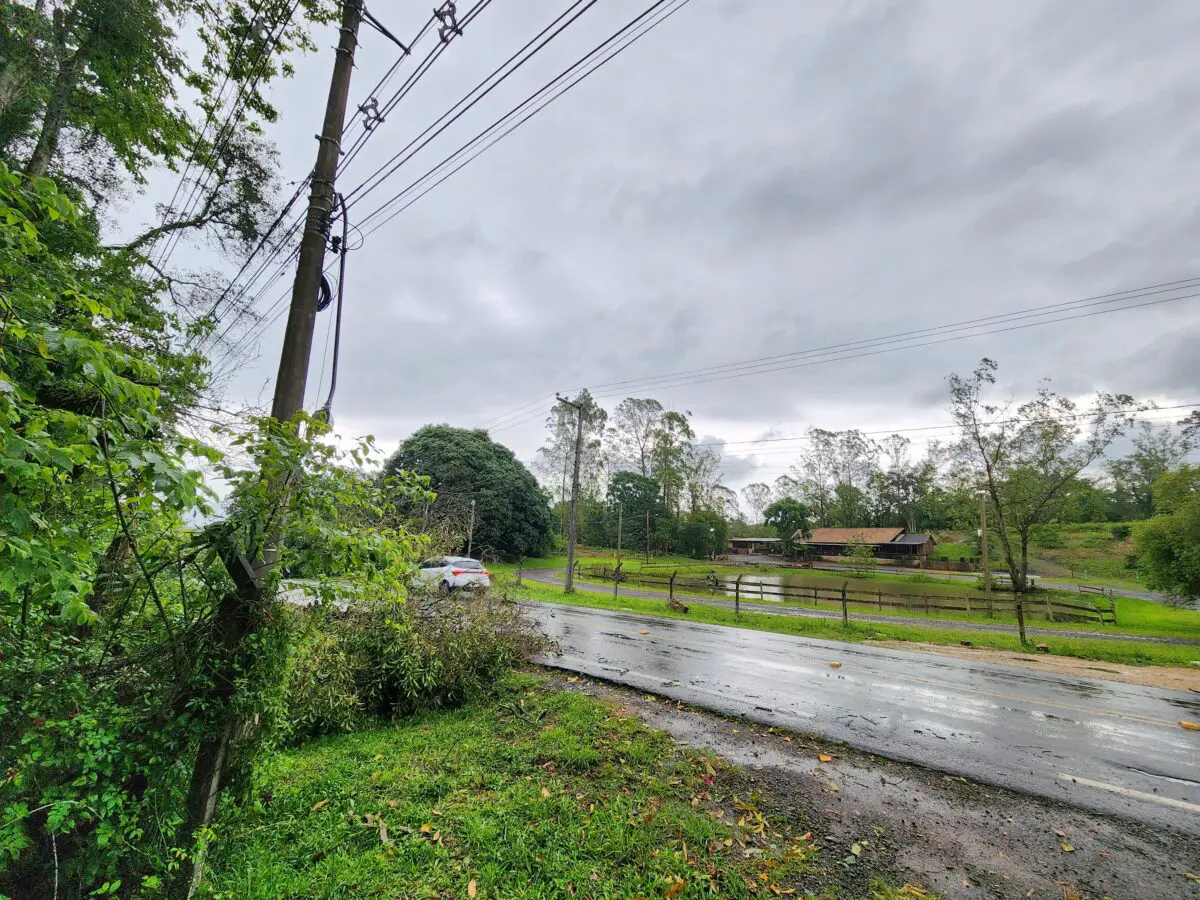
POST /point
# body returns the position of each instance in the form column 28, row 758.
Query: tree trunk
column 1024, row 560
column 58, row 107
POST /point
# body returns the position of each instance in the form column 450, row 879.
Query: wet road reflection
column 1103, row 745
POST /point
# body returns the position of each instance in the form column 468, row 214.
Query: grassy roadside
column 1134, row 616
column 1129, row 652
column 534, row 793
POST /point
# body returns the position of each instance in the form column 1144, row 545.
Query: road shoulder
column 947, row 833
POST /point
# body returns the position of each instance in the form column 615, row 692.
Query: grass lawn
column 1134, row 653
column 1134, row 616
column 534, row 793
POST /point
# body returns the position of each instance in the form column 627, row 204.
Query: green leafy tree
column 702, row 534
column 635, row 423
column 1168, row 545
column 859, row 557
column 638, row 496
column 512, row 515
column 669, row 458
column 787, row 516
column 1155, row 452
column 1027, row 455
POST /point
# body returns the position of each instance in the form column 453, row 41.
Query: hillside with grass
column 1096, row 553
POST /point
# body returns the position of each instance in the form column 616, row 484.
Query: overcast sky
column 754, row 179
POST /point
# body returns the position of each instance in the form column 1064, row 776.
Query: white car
column 452, row 573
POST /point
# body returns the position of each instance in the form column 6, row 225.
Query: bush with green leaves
column 113, row 665
column 391, row 659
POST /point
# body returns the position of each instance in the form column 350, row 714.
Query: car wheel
column 444, row 589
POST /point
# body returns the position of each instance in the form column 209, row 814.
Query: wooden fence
column 1054, row 609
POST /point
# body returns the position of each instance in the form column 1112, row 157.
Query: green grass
column 954, row 550
column 534, row 794
column 1130, row 652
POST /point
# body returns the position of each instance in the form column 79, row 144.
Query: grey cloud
column 758, row 179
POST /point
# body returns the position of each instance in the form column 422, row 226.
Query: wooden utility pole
column 619, row 517
column 239, row 609
column 471, row 530
column 297, row 338
column 578, row 407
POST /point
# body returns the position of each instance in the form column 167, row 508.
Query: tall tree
column 637, row 495
column 635, row 423
column 1026, row 455
column 1168, row 546
column 512, row 518
column 556, row 457
column 1156, row 450
column 757, row 495
column 669, row 457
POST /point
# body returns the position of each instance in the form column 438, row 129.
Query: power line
column 490, row 134
column 227, row 130
column 888, row 431
column 208, row 120
column 833, row 352
column 267, row 319
column 456, row 112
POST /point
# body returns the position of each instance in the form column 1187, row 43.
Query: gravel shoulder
column 1150, row 676
column 948, row 834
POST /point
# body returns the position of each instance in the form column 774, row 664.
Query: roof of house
column 849, row 535
column 916, row 539
column 757, row 540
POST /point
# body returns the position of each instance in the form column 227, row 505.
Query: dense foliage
column 485, row 497
column 1168, row 545
column 115, row 658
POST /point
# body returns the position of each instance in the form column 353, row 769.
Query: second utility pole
column 578, row 407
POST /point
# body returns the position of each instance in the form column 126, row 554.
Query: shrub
column 393, row 659
column 1121, row 532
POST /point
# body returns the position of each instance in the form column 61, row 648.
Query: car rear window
column 468, row 563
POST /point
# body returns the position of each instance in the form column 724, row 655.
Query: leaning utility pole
column 578, row 407
column 239, row 609
column 298, row 337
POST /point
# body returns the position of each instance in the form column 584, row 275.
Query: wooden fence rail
column 1054, row 609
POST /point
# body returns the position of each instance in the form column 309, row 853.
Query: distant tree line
column 1041, row 461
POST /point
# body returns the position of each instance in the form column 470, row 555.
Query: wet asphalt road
column 1104, row 746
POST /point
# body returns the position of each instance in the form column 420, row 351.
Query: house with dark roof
column 891, row 544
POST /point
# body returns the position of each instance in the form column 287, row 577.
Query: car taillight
column 486, row 572
column 458, row 571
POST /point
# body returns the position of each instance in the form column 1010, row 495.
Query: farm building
column 765, row 545
column 885, row 543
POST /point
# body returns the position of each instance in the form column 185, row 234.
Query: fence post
column 671, row 589
column 737, row 596
column 616, row 579
column 1049, row 610
column 712, row 577
column 1112, row 606
column 814, row 596
column 968, row 596
column 760, row 587
column 845, row 608
column 879, row 597
column 925, row 598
